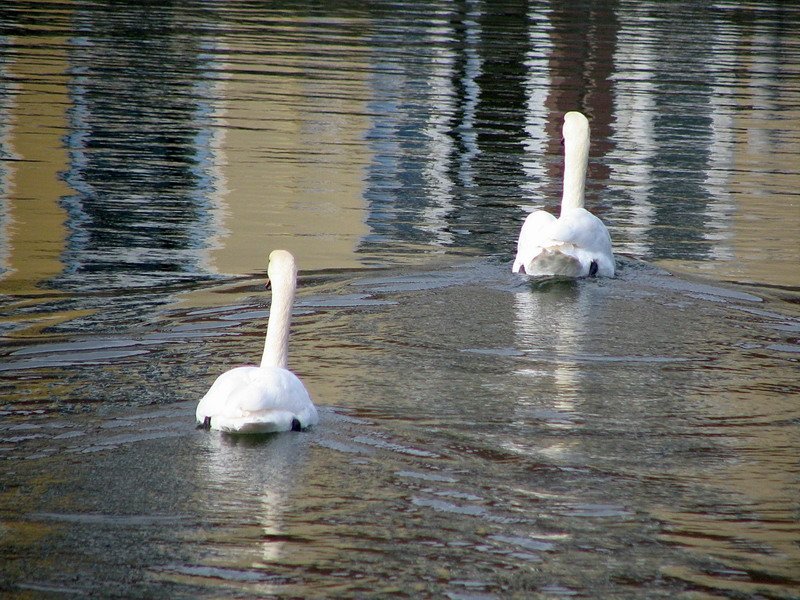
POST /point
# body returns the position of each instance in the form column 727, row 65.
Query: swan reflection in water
column 551, row 317
column 247, row 484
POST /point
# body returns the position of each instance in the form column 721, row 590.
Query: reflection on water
column 185, row 139
column 293, row 103
column 549, row 321
column 481, row 436
column 141, row 202
column 253, row 478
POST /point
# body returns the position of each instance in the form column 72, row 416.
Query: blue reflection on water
column 141, row 160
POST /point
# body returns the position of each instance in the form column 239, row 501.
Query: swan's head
column 282, row 267
column 576, row 126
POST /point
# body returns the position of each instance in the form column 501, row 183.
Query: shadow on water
column 553, row 285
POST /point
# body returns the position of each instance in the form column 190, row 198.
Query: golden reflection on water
column 32, row 231
column 764, row 175
column 764, row 232
column 293, row 158
column 751, row 527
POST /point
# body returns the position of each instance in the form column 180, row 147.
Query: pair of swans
column 270, row 398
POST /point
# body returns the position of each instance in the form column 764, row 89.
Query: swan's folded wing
column 535, row 229
column 533, row 236
column 582, row 229
column 588, row 238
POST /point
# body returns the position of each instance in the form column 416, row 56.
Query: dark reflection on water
column 139, row 145
column 481, row 436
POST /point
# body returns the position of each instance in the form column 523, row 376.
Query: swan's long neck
column 276, row 345
column 576, row 162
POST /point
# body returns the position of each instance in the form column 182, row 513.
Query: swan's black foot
column 593, row 269
column 206, row 424
column 296, row 426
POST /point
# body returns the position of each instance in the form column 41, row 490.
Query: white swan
column 577, row 244
column 267, row 398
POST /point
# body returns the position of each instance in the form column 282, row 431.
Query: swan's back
column 575, row 245
column 257, row 400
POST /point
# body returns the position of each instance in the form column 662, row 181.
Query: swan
column 577, row 244
column 267, row 398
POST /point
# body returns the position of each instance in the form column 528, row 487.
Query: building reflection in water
column 153, row 154
column 138, row 150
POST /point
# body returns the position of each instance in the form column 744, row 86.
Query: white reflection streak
column 549, row 326
column 473, row 69
column 439, row 127
column 212, row 133
column 6, row 175
column 635, row 149
column 537, row 88
column 720, row 153
column 250, row 481
column 440, row 145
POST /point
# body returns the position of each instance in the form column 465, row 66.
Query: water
column 481, row 435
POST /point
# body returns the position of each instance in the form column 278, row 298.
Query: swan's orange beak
column 268, row 285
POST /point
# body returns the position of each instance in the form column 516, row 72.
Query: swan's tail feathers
column 550, row 261
column 266, row 422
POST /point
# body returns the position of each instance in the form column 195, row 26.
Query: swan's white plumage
column 566, row 246
column 569, row 245
column 268, row 398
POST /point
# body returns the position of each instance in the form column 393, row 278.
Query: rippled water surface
column 481, row 435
